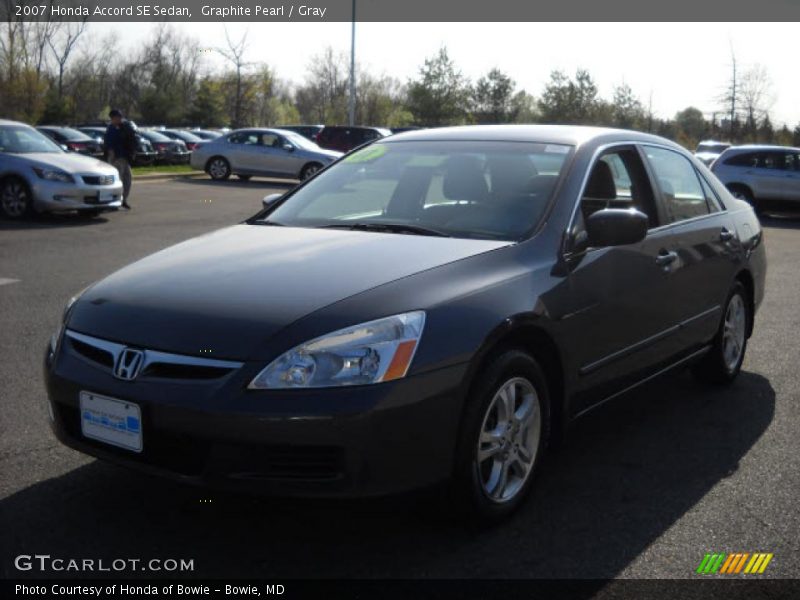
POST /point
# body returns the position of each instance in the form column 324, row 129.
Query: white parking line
column 5, row 280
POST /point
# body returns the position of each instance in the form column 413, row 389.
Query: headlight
column 54, row 175
column 55, row 339
column 371, row 352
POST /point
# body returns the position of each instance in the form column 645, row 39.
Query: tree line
column 56, row 72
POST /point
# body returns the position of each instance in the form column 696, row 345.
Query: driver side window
column 618, row 180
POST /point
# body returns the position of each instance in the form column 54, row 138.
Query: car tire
column 244, row 177
column 742, row 192
column 502, row 439
column 723, row 362
column 309, row 170
column 16, row 200
column 218, row 168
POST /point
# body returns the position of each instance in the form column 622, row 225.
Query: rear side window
column 682, row 192
column 748, row 159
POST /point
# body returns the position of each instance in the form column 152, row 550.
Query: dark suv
column 344, row 139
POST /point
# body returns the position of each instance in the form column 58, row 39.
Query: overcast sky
column 681, row 64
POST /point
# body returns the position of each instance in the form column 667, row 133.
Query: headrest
column 464, row 180
column 601, row 183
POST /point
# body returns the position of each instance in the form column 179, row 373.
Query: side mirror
column 288, row 147
column 270, row 199
column 616, row 227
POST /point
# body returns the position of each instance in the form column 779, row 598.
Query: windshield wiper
column 388, row 228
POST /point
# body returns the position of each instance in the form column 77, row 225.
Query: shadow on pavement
column 781, row 220
column 50, row 221
column 626, row 473
column 254, row 183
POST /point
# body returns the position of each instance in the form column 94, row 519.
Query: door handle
column 726, row 235
column 665, row 258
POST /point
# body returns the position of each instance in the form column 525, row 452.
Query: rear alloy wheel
column 15, row 199
column 218, row 168
column 504, row 434
column 309, row 170
column 724, row 361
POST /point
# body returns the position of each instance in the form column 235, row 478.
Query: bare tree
column 234, row 53
column 62, row 45
column 755, row 96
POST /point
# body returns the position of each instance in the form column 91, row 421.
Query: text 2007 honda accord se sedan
column 432, row 308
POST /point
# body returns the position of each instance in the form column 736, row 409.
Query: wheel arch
column 530, row 336
column 307, row 164
column 746, row 279
column 214, row 157
column 738, row 184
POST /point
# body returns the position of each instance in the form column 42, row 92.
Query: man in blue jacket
column 120, row 140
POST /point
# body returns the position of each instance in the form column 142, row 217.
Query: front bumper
column 348, row 442
column 54, row 196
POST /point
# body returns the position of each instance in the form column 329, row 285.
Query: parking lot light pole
column 351, row 109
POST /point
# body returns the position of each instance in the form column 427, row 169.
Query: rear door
column 791, row 179
column 768, row 175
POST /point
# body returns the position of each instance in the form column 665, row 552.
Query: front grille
column 98, row 179
column 93, row 353
column 155, row 364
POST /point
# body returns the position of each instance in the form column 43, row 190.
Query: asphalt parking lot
column 642, row 488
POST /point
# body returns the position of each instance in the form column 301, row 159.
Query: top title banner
column 400, row 10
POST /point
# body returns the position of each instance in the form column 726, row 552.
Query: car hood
column 70, row 162
column 227, row 292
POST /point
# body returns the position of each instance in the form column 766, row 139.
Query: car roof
column 10, row 122
column 759, row 147
column 574, row 135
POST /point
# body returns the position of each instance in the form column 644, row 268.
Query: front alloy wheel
column 509, row 440
column 15, row 199
column 504, row 433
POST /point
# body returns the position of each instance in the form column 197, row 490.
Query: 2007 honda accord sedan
column 433, row 308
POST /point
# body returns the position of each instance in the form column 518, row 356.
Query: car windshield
column 154, row 136
column 301, row 142
column 71, row 135
column 25, row 140
column 186, row 136
column 481, row 190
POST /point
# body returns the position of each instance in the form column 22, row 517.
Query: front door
column 619, row 309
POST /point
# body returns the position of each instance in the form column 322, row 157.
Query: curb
column 168, row 176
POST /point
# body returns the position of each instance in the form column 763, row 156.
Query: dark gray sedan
column 434, row 308
column 261, row 152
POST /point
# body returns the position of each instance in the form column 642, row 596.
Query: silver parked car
column 36, row 175
column 262, row 152
column 765, row 176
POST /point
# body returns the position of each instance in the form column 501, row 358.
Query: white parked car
column 37, row 175
column 708, row 151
